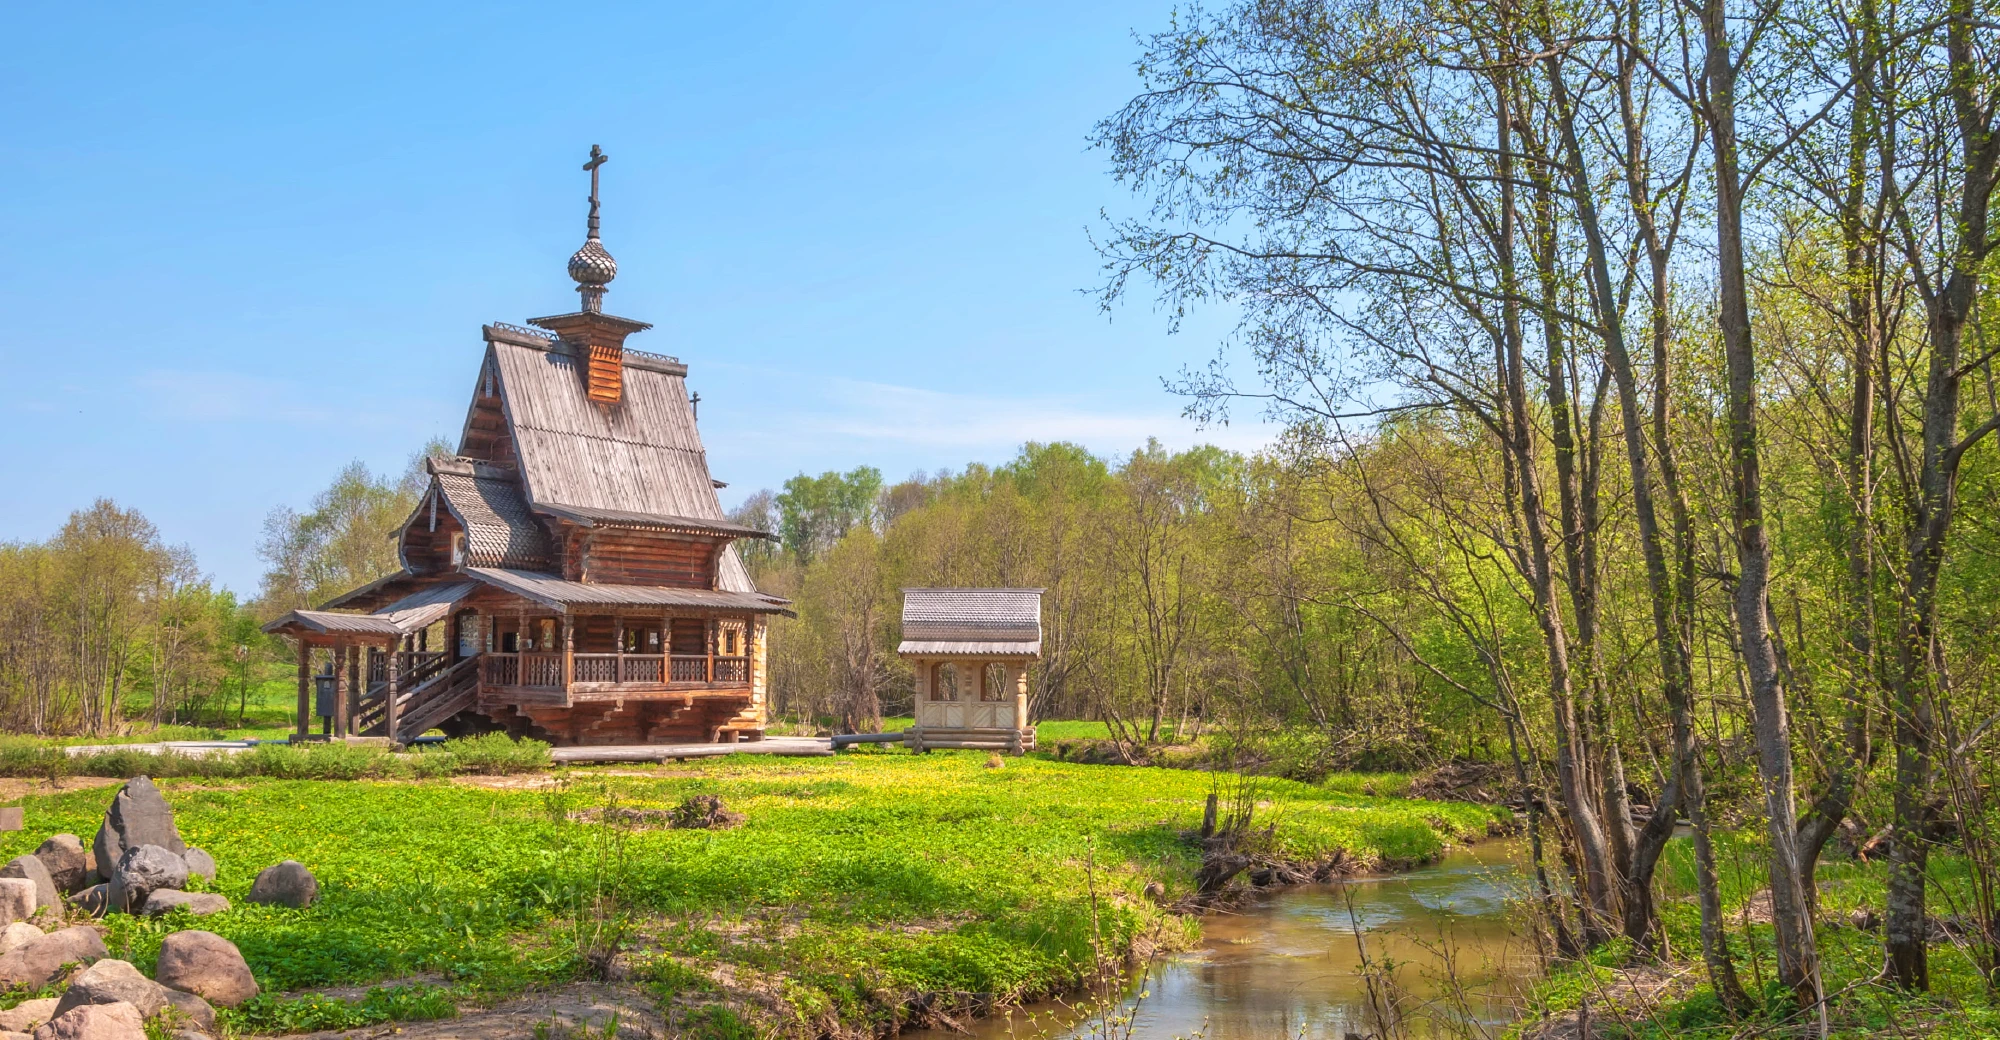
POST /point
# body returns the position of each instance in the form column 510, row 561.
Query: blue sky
column 246, row 244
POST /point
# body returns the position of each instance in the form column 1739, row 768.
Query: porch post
column 389, row 706
column 1021, row 697
column 305, row 685
column 340, row 682
column 708, row 628
column 569, row 654
column 618, row 634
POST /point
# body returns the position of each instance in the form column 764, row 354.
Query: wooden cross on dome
column 597, row 158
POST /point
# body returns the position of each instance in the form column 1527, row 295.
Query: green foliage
column 490, row 754
column 266, row 1013
column 851, row 877
column 814, row 513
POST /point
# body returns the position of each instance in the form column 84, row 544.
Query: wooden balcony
column 539, row 676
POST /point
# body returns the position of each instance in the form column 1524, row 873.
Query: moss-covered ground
column 853, row 882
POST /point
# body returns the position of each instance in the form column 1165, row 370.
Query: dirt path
column 567, row 1013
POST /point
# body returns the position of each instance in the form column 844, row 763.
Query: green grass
column 493, row 753
column 853, row 881
column 1959, row 1006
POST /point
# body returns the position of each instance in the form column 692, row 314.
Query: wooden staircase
column 436, row 693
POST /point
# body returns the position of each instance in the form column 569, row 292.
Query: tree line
column 109, row 624
column 1641, row 348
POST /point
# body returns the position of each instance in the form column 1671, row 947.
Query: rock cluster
column 113, row 1000
column 137, row 864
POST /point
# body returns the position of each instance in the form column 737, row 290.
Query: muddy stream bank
column 1288, row 964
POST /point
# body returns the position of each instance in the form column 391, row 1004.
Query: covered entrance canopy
column 377, row 660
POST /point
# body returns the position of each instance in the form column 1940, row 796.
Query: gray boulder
column 138, row 816
column 144, row 870
column 167, row 900
column 287, row 884
column 200, row 864
column 17, row 899
column 66, row 861
column 108, row 982
column 32, row 869
column 42, row 961
column 205, row 964
column 95, row 900
column 119, row 1021
column 28, row 1014
column 17, row 935
column 192, row 1011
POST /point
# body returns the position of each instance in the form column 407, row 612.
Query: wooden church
column 568, row 575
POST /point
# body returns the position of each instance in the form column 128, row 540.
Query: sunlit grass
column 864, row 874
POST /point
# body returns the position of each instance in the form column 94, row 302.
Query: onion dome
column 591, row 266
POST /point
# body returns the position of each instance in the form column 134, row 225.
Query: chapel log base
column 630, row 718
column 931, row 738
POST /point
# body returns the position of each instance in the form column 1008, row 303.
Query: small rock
column 17, row 899
column 120, row 1021
column 138, row 816
column 66, row 860
column 109, row 982
column 32, row 869
column 205, row 964
column 17, row 935
column 41, row 961
column 8, row 1034
column 287, row 884
column 95, row 900
column 200, row 864
column 144, row 870
column 166, row 900
column 25, row 1016
column 192, row 1010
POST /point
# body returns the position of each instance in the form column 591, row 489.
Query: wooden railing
column 545, row 670
column 413, row 666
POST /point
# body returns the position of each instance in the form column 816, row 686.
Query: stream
column 1288, row 964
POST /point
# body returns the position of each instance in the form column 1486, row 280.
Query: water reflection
column 1295, row 962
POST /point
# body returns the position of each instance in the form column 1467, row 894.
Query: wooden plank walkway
column 805, row 747
column 190, row 748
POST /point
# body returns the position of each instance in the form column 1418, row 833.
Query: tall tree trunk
column 1949, row 296
column 1798, row 960
column 1591, row 846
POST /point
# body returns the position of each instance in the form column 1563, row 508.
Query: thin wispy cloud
column 873, row 411
column 237, row 397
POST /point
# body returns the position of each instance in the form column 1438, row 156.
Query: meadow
column 853, row 885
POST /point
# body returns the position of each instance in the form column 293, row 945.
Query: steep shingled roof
column 642, row 455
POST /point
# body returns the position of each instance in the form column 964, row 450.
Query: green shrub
column 495, row 753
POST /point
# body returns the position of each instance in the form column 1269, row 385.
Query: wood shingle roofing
column 499, row 530
column 972, row 621
column 642, row 455
column 593, row 517
column 406, row 615
column 552, row 591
